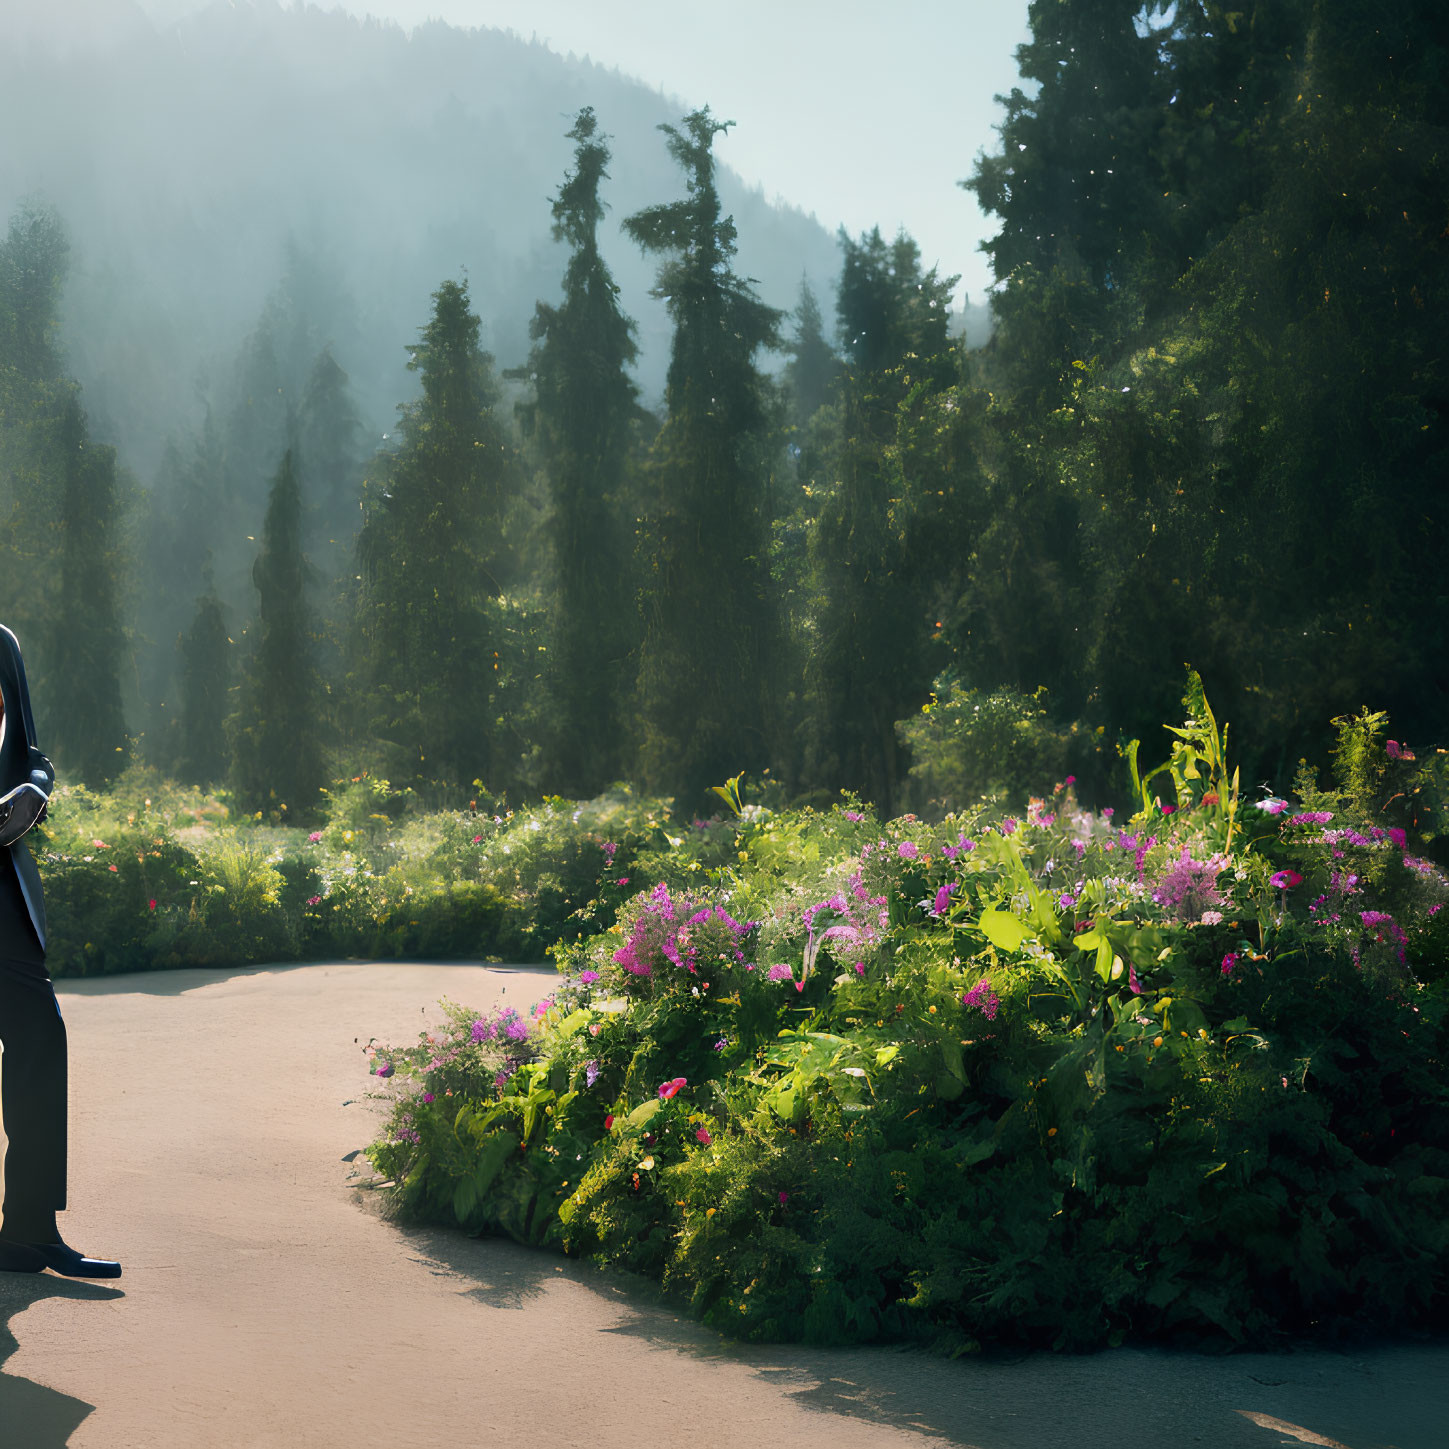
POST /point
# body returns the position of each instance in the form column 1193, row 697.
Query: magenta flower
column 1133, row 984
column 314, row 900
column 908, row 850
column 1398, row 836
column 383, row 1070
column 854, row 816
column 784, row 1198
column 1285, row 880
column 587, row 978
column 429, row 1097
column 1272, row 806
column 1230, row 961
column 702, row 1135
column 778, row 972
column 943, row 899
column 983, row 998
column 671, row 1088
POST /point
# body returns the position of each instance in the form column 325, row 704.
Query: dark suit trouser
column 33, row 1098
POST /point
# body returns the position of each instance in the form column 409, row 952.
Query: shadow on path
column 32, row 1415
column 181, row 979
column 1368, row 1396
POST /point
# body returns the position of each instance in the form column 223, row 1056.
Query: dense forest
column 844, row 551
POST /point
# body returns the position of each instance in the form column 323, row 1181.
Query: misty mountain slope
column 189, row 162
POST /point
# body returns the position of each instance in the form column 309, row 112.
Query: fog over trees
column 462, row 386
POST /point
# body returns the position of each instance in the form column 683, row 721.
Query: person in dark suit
column 33, row 1062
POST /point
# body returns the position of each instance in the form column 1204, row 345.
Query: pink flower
column 1398, row 836
column 943, row 900
column 315, row 836
column 702, row 1135
column 784, row 1198
column 429, row 1097
column 1133, row 984
column 314, row 900
column 1168, row 809
column 908, row 850
column 383, row 1070
column 1230, row 961
column 1285, row 880
column 671, row 1088
column 588, row 978
column 477, row 839
column 151, row 904
column 100, row 845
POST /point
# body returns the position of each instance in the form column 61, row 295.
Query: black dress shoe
column 70, row 1264
column 19, row 1258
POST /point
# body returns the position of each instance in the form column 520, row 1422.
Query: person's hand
column 22, row 808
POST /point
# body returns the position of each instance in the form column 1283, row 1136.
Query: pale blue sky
column 863, row 113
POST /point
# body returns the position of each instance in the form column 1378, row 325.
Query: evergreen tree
column 706, row 678
column 432, row 554
column 881, row 544
column 329, row 459
column 277, row 765
column 202, row 757
column 81, row 707
column 60, row 552
column 583, row 414
column 813, row 365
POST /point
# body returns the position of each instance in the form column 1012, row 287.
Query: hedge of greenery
column 148, row 875
column 1057, row 1079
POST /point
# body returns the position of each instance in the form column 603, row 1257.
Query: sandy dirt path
column 266, row 1302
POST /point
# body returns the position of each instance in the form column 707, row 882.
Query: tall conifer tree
column 432, row 554
column 708, row 657
column 82, row 700
column 881, row 527
column 584, row 409
column 277, row 757
column 202, row 756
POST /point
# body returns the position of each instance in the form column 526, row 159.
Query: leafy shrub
column 1043, row 1078
column 969, row 744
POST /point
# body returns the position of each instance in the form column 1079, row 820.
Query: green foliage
column 966, row 744
column 205, row 681
column 1036, row 1080
column 583, row 414
column 894, row 506
column 706, row 680
column 278, row 731
column 63, row 501
column 434, row 553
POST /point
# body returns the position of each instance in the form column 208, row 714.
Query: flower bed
column 1047, row 1079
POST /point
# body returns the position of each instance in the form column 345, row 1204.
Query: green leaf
column 641, row 1115
column 1005, row 931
